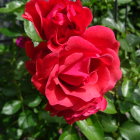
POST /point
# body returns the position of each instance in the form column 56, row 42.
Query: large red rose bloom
column 76, row 79
column 57, row 20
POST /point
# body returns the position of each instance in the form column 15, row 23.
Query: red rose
column 34, row 53
column 76, row 79
column 57, row 20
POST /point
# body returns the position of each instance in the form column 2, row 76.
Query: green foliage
column 11, row 6
column 8, row 33
column 130, row 131
column 33, row 100
column 30, row 31
column 91, row 128
column 11, row 107
column 110, row 22
column 135, row 112
column 69, row 134
column 22, row 108
column 124, row 1
column 26, row 120
column 109, row 123
column 110, row 107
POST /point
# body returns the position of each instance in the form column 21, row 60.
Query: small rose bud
column 20, row 41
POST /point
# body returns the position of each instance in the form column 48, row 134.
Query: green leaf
column 19, row 13
column 121, row 2
column 91, row 128
column 30, row 138
column 110, row 107
column 135, row 97
column 109, row 22
column 124, row 106
column 9, row 92
column 126, row 88
column 132, row 39
column 109, row 138
column 2, row 48
column 14, row 133
column 44, row 115
column 9, row 33
column 26, row 120
column 135, row 112
column 119, row 138
column 30, row 31
column 69, row 135
column 11, row 6
column 11, row 107
column 125, row 45
column 130, row 131
column 109, row 124
column 138, row 52
column 33, row 100
column 88, row 3
column 2, row 137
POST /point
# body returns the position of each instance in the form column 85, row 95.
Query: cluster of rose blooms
column 74, row 65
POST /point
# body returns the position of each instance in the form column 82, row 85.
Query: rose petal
column 79, row 44
column 102, row 37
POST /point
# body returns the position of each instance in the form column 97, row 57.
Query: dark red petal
column 29, row 49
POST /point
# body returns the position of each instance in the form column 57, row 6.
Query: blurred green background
column 22, row 114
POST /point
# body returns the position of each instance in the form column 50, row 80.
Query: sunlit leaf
column 130, row 131
column 110, row 107
column 11, row 6
column 11, row 107
column 135, row 112
column 33, row 100
column 69, row 134
column 124, row 1
column 109, row 22
column 91, row 129
column 26, row 120
column 30, row 31
column 126, row 88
